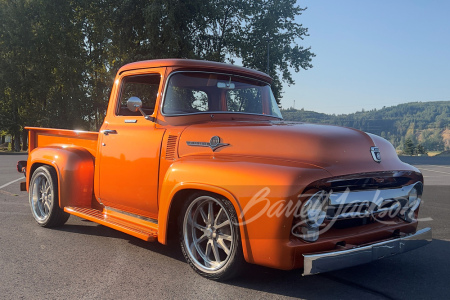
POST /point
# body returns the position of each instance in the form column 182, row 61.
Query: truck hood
column 338, row 150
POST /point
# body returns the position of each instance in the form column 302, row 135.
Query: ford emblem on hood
column 376, row 155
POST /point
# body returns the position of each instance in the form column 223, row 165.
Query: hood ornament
column 376, row 155
column 214, row 143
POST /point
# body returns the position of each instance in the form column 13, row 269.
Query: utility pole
column 267, row 69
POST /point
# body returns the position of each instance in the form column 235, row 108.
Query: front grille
column 362, row 209
column 348, row 223
column 379, row 182
column 359, row 199
column 367, row 181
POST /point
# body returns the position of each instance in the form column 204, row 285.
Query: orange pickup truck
column 199, row 151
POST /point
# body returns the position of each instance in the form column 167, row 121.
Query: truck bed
column 44, row 137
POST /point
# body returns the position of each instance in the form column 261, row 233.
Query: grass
column 434, row 153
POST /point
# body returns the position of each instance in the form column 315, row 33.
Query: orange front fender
column 257, row 190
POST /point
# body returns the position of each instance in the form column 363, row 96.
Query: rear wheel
column 43, row 196
column 210, row 238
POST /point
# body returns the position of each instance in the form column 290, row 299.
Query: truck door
column 130, row 149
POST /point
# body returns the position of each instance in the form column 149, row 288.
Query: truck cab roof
column 192, row 64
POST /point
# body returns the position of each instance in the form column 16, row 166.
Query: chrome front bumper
column 330, row 261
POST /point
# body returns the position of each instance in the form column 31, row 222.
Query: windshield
column 197, row 92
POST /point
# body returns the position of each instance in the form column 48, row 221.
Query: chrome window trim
column 120, row 90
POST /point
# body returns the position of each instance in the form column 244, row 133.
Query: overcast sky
column 372, row 54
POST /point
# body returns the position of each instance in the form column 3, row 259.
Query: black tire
column 210, row 239
column 44, row 200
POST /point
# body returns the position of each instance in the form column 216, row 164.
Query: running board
column 147, row 231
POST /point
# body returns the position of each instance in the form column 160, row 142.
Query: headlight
column 414, row 199
column 313, row 214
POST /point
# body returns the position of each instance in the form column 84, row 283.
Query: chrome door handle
column 109, row 131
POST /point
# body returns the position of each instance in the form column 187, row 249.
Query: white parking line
column 5, row 185
column 447, row 167
column 434, row 171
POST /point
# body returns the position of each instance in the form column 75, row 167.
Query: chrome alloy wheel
column 41, row 197
column 44, row 200
column 208, row 234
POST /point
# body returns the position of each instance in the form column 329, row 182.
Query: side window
column 145, row 87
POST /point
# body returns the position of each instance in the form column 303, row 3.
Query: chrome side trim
column 330, row 261
column 131, row 215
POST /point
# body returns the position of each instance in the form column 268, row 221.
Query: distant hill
column 425, row 123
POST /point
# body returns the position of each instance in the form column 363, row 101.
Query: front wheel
column 210, row 239
column 43, row 196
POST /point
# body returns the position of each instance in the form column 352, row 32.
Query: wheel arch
column 183, row 191
column 45, row 210
column 74, row 167
column 167, row 222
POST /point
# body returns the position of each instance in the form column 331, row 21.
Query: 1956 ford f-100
column 198, row 151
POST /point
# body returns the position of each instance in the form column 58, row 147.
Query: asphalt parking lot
column 83, row 260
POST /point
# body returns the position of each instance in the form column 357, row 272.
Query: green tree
column 41, row 67
column 421, row 149
column 58, row 58
column 269, row 41
column 408, row 147
column 16, row 74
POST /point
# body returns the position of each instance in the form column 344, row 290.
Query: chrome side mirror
column 134, row 104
